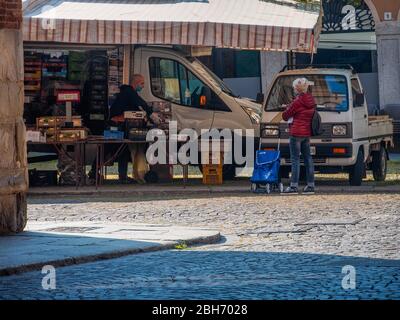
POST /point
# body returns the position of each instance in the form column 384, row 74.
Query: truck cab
column 351, row 140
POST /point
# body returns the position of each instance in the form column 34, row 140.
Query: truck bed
column 380, row 128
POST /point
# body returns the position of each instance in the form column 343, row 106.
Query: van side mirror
column 205, row 96
column 203, row 101
column 260, row 98
column 359, row 100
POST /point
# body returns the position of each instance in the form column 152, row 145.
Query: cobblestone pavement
column 275, row 248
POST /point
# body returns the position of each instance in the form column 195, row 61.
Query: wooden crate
column 72, row 134
column 56, row 122
column 210, row 169
column 212, row 179
column 212, row 174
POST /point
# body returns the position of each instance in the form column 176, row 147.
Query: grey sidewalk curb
column 108, row 255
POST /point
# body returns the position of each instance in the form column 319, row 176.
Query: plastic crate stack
column 164, row 112
column 54, row 67
column 98, row 92
column 115, row 72
column 76, row 65
column 163, row 109
column 32, row 76
column 213, row 166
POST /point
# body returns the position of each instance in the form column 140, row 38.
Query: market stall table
column 101, row 162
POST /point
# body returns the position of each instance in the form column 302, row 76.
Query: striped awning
column 246, row 24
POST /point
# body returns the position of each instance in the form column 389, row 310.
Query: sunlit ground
column 393, row 176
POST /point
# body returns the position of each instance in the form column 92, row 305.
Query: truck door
column 360, row 113
column 169, row 79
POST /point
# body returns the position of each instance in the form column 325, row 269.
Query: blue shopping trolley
column 266, row 177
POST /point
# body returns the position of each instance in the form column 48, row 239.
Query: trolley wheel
column 281, row 188
column 268, row 188
column 254, row 187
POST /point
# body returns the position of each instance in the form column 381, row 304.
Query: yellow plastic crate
column 210, row 169
column 212, row 179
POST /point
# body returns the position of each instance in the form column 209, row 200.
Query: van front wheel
column 357, row 171
column 379, row 164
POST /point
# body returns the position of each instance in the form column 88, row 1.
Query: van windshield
column 209, row 75
column 330, row 92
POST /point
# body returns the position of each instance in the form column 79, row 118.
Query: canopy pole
column 312, row 49
column 127, row 64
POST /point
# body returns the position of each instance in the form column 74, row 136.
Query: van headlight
column 269, row 131
column 339, row 130
column 253, row 115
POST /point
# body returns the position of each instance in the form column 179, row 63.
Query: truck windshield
column 330, row 92
column 208, row 74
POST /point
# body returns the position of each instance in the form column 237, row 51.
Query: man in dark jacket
column 299, row 114
column 128, row 99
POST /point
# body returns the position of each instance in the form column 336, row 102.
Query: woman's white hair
column 301, row 84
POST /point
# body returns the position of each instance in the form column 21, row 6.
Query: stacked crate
column 115, row 72
column 77, row 66
column 53, row 129
column 33, row 75
column 162, row 109
column 54, row 67
column 213, row 166
column 97, row 92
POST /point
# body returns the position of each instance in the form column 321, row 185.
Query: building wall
column 388, row 41
column 271, row 64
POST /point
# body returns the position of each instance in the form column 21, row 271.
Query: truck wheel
column 357, row 171
column 379, row 164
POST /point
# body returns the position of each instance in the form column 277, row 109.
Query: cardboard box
column 137, row 115
column 35, row 136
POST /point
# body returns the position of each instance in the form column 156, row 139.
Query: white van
column 352, row 141
column 200, row 100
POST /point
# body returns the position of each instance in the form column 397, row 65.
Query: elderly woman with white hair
column 299, row 114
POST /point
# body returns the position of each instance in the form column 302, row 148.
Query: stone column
column 388, row 42
column 13, row 158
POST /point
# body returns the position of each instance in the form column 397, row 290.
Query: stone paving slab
column 331, row 221
column 66, row 243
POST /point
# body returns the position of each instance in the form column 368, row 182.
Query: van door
column 360, row 113
column 169, row 79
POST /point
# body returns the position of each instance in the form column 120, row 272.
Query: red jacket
column 302, row 111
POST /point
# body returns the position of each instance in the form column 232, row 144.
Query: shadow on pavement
column 193, row 274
